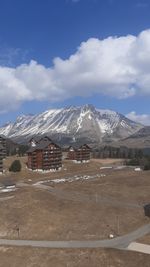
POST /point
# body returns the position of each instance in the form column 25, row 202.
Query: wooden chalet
column 71, row 153
column 1, row 158
column 44, row 155
column 79, row 153
column 3, row 144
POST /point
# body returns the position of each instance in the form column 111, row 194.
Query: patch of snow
column 45, row 171
column 138, row 169
column 6, row 190
column 90, row 117
column 10, row 186
column 120, row 167
column 106, row 167
column 79, row 162
column 80, row 119
column 70, row 179
column 107, row 111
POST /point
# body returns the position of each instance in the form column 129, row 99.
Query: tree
column 133, row 162
column 22, row 150
column 146, row 163
column 15, row 166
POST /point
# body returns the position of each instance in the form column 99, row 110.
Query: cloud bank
column 143, row 118
column 118, row 67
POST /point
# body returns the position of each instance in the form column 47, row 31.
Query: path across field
column 123, row 242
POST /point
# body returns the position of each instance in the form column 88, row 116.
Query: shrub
column 22, row 150
column 15, row 166
column 145, row 163
column 133, row 162
column 146, row 167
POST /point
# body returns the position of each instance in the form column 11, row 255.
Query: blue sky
column 55, row 53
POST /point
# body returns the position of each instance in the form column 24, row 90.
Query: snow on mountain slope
column 74, row 122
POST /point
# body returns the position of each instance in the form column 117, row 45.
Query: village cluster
column 45, row 155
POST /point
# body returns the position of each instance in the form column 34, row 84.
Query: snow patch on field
column 70, row 179
column 8, row 189
column 106, row 167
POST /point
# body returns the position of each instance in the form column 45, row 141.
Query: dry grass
column 69, row 168
column 36, row 257
column 42, row 215
column 107, row 161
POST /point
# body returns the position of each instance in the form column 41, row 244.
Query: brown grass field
column 79, row 210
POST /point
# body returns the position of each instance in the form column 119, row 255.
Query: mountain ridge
column 71, row 124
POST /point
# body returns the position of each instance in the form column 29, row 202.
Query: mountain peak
column 84, row 123
column 89, row 107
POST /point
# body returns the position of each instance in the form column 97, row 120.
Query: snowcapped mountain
column 72, row 124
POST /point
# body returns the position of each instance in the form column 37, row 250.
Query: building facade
column 44, row 155
column 3, row 144
column 1, row 158
column 79, row 154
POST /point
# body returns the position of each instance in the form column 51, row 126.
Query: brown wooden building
column 79, row 153
column 3, row 144
column 1, row 158
column 44, row 155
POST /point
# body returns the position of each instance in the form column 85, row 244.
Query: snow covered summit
column 71, row 124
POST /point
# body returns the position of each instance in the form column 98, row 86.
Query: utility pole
column 17, row 230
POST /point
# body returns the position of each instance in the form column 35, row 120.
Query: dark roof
column 87, row 146
column 45, row 138
column 41, row 146
column 31, row 149
column 38, row 139
column 76, row 146
column 2, row 136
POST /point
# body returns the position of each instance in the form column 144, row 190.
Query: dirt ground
column 36, row 257
column 78, row 210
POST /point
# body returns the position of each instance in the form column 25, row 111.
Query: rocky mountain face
column 140, row 139
column 73, row 124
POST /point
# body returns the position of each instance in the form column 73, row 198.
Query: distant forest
column 132, row 156
column 118, row 152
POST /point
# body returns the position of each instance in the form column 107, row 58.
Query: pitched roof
column 2, row 136
column 38, row 139
column 87, row 146
column 41, row 145
column 76, row 146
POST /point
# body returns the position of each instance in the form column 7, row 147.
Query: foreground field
column 110, row 201
column 29, row 257
column 68, row 168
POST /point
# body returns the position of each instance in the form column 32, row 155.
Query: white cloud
column 115, row 66
column 142, row 118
